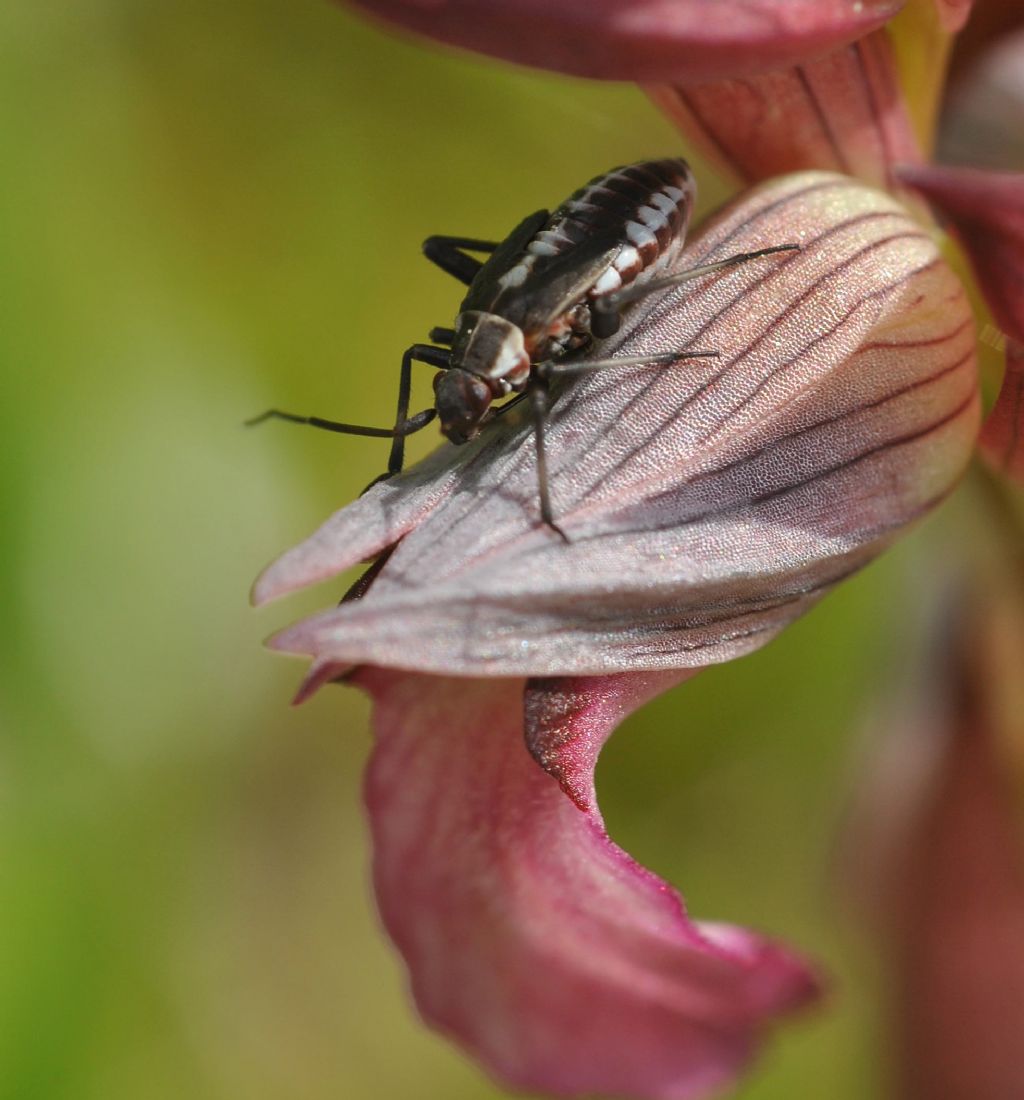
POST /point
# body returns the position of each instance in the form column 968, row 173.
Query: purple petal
column 844, row 112
column 531, row 939
column 641, row 39
column 987, row 212
column 708, row 504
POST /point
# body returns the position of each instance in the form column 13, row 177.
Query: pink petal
column 531, row 939
column 707, row 504
column 953, row 13
column 1002, row 435
column 641, row 39
column 987, row 212
column 844, row 111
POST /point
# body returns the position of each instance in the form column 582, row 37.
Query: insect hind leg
column 449, row 254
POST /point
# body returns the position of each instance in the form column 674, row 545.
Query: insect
column 534, row 308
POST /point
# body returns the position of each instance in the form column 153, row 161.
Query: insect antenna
column 410, row 425
column 613, row 303
column 554, row 368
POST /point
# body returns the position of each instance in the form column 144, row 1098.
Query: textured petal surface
column 708, row 504
column 844, row 112
column 531, row 939
column 641, row 39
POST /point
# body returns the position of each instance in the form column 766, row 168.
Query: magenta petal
column 707, row 504
column 641, row 39
column 987, row 213
column 530, row 938
column 844, row 112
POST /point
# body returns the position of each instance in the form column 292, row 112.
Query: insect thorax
column 492, row 348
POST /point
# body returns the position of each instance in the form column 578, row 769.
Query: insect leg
column 606, row 309
column 411, row 425
column 581, row 366
column 539, row 403
column 449, row 253
column 404, row 425
column 421, row 353
column 442, row 336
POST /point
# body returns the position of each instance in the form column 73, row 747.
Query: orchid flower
column 706, row 507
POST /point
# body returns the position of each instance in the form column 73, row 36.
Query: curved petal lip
column 531, row 939
column 642, row 40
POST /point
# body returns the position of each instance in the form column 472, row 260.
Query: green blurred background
column 206, row 209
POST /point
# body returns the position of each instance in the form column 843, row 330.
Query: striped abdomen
column 645, row 207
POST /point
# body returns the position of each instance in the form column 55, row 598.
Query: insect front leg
column 449, row 253
column 420, row 353
column 404, row 426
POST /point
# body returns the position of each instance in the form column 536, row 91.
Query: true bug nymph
column 556, row 284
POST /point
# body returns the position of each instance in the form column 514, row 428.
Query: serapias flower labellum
column 707, row 504
column 554, row 285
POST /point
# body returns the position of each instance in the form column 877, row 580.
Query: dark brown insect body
column 557, row 283
column 536, row 299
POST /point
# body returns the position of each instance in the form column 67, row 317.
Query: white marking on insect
column 511, row 361
column 610, row 280
column 653, row 219
column 662, row 201
column 640, row 235
column 515, row 276
column 627, row 257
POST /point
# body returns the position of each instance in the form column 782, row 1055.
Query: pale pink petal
column 707, row 504
column 844, row 112
column 986, row 210
column 641, row 39
column 531, row 939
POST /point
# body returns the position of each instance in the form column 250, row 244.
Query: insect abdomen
column 645, row 206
